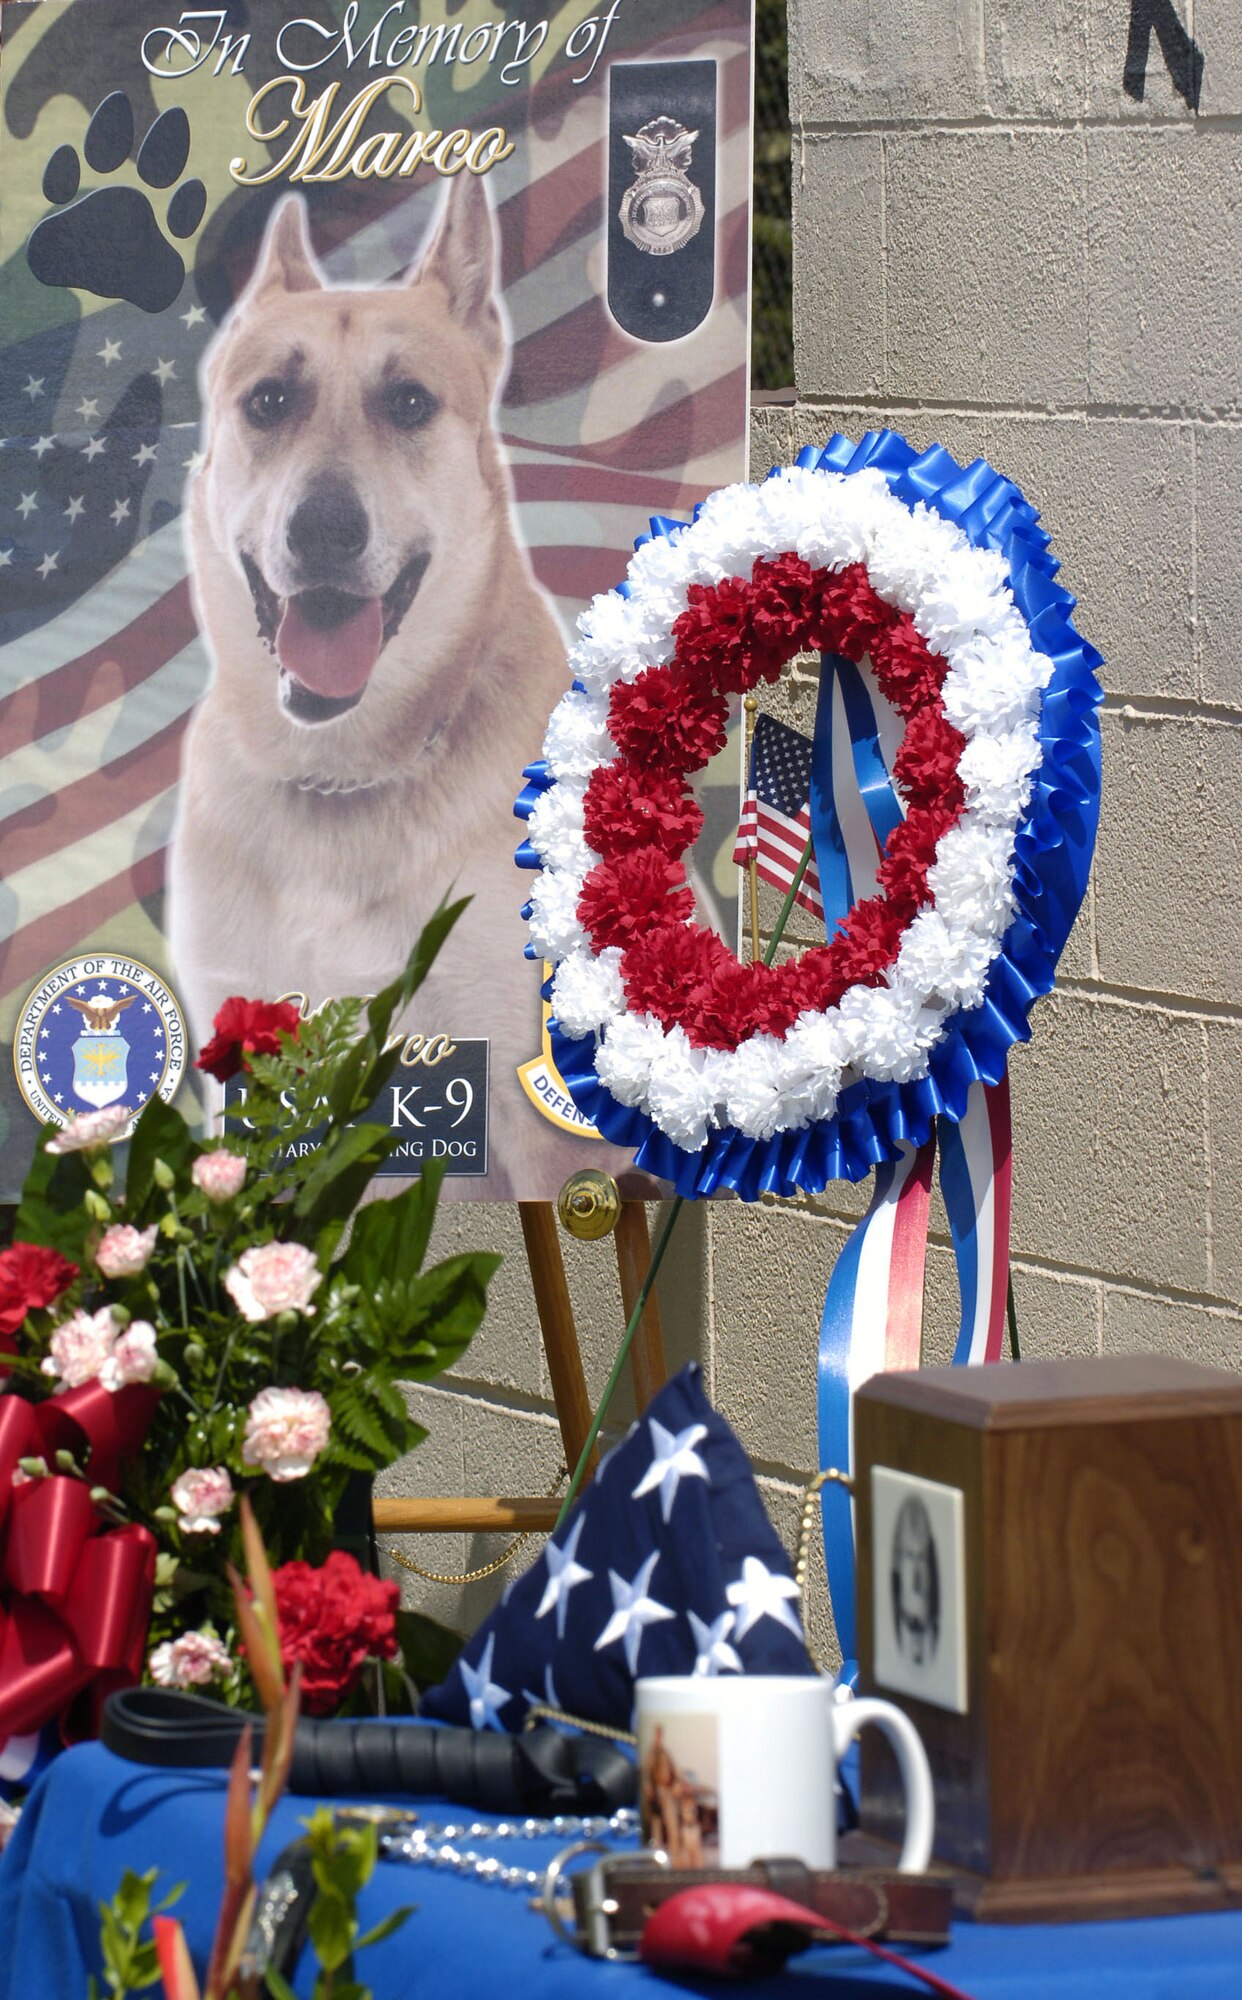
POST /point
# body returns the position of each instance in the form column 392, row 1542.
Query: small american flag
column 776, row 817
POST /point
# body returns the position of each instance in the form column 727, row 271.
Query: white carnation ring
column 848, row 1085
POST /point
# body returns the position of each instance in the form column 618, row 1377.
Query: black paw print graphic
column 110, row 241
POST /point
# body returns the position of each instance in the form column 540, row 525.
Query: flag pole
column 751, row 707
column 661, row 1244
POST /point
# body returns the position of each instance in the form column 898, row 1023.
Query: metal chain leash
column 487, row 1569
column 410, row 1841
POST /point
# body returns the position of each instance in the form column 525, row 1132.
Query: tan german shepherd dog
column 384, row 660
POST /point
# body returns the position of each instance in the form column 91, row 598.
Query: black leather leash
column 542, row 1771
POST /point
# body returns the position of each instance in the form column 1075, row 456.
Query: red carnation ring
column 641, row 818
column 667, row 1019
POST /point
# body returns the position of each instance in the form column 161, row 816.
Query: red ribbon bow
column 75, row 1594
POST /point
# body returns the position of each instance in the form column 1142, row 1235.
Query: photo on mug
column 919, row 1568
column 679, row 1787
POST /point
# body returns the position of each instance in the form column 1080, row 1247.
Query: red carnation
column 910, row 675
column 849, row 615
column 333, row 1620
column 743, row 1000
column 667, row 971
column 622, row 899
column 908, row 854
column 667, row 720
column 246, row 1028
column 925, row 767
column 30, row 1276
column 782, row 590
column 627, row 808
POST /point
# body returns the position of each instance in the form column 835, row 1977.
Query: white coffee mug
column 737, row 1766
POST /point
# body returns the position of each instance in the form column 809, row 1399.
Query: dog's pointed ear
column 462, row 257
column 286, row 260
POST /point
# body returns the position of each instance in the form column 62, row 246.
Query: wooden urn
column 1050, row 1584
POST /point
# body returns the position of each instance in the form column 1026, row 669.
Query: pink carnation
column 90, row 1129
column 124, row 1251
column 219, row 1175
column 133, row 1358
column 200, row 1494
column 80, row 1347
column 286, row 1429
column 273, row 1278
column 193, row 1660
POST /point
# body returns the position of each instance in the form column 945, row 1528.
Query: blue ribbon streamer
column 875, row 787
column 1052, row 857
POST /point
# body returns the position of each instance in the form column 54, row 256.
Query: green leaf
column 331, row 1929
column 386, row 1926
column 343, row 1090
column 390, row 1238
column 447, row 1305
column 428, row 1649
column 52, row 1210
column 341, row 1173
column 277, row 1985
column 160, row 1134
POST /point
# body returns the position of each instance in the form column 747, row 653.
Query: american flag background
column 101, row 661
column 776, row 813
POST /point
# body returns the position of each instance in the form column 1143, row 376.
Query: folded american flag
column 776, row 816
column 667, row 1565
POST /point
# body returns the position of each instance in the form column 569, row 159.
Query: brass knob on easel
column 589, row 1205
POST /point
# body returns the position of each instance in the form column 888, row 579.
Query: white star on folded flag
column 563, row 1573
column 763, row 1593
column 487, row 1698
column 675, row 1459
column 641, row 1579
column 715, row 1654
column 632, row 1611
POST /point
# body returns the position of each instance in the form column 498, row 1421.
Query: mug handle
column 848, row 1717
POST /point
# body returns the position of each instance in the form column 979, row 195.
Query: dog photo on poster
column 344, row 353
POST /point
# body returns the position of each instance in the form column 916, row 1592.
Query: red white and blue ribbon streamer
column 872, row 1321
column 976, row 1169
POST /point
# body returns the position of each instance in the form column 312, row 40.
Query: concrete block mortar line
column 1101, row 121
column 1196, row 634
column 492, row 1396
column 1208, row 1247
column 1151, row 1000
column 1075, row 411
column 1124, row 1282
column 884, row 258
column 1173, row 708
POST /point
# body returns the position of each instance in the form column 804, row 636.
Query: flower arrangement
column 227, row 1308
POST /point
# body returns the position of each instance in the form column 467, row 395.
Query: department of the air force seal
column 98, row 1031
column 662, row 209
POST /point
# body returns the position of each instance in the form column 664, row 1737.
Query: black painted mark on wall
column 1183, row 57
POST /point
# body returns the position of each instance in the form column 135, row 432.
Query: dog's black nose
column 328, row 528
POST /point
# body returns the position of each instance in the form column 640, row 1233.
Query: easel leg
column 560, row 1336
column 647, row 1360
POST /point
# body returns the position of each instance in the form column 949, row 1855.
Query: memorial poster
column 345, row 346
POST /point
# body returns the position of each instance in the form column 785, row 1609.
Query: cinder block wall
column 1001, row 247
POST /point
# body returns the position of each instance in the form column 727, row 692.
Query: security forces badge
column 662, row 210
column 98, row 1031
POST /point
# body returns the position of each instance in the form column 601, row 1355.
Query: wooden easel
column 573, row 1405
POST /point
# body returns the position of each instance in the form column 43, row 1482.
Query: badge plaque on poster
column 328, row 398
column 1094, row 1764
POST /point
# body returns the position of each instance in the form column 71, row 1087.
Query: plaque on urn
column 1050, row 1583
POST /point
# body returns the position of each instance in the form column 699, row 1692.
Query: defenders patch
column 95, row 1032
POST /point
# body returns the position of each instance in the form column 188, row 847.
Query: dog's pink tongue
column 336, row 662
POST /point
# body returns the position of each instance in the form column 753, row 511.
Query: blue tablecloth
column 92, row 1815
